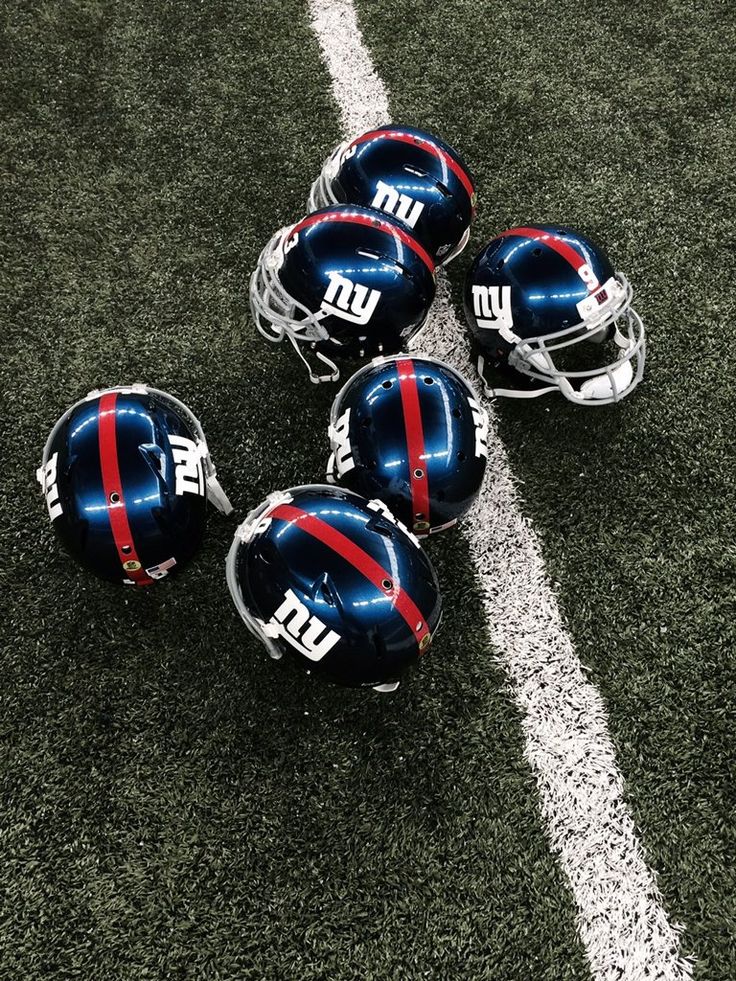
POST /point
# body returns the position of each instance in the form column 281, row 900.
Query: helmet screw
column 418, row 473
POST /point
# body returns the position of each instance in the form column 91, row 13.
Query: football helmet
column 127, row 474
column 334, row 580
column 408, row 174
column 411, row 432
column 346, row 282
column 535, row 297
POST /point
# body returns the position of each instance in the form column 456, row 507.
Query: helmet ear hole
column 327, row 591
column 269, row 552
column 154, row 457
column 380, row 645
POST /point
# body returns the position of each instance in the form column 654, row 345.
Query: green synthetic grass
column 173, row 804
column 618, row 120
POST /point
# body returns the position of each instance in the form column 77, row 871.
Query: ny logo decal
column 47, row 478
column 304, row 632
column 350, row 301
column 340, row 438
column 492, row 309
column 188, row 466
column 388, row 199
column 480, row 418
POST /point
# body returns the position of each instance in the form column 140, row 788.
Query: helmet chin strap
column 511, row 393
column 316, row 379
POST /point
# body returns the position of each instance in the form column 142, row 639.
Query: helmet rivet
column 126, row 549
column 387, row 584
column 114, row 497
column 418, row 473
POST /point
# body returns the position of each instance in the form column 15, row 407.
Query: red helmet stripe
column 414, row 439
column 356, row 219
column 360, row 560
column 554, row 242
column 426, row 144
column 113, row 487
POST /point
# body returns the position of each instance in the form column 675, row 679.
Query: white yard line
column 620, row 915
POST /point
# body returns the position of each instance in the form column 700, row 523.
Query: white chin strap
column 316, row 379
column 592, row 390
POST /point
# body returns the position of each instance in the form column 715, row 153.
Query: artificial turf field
column 173, row 804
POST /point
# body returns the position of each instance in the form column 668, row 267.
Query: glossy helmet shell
column 348, row 281
column 546, row 287
column 125, row 483
column 409, row 174
column 333, row 580
column 411, row 432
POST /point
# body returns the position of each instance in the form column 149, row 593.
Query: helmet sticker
column 339, row 435
column 188, row 463
column 350, row 301
column 289, row 242
column 600, row 303
column 162, row 569
column 480, row 418
column 401, row 206
column 588, row 277
column 307, row 634
column 492, row 308
column 47, row 478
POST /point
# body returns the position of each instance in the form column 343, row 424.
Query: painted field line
column 620, row 916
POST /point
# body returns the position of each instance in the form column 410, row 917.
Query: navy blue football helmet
column 411, row 432
column 335, row 581
column 535, row 299
column 408, row 174
column 345, row 282
column 127, row 475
